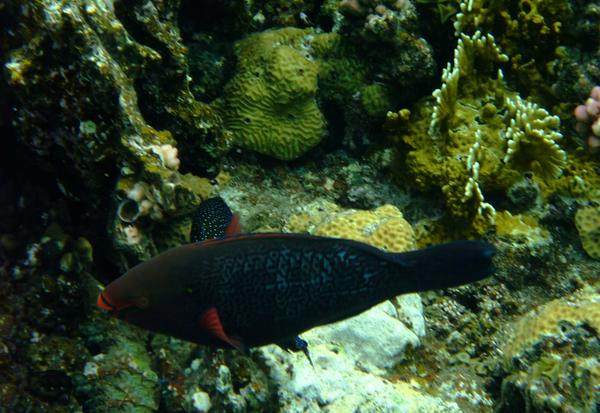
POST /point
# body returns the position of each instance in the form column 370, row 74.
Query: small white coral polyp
column 168, row 155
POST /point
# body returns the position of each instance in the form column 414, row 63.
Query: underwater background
column 398, row 123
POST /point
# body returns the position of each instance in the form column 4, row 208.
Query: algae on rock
column 84, row 83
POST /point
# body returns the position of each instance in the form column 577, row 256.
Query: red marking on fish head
column 112, row 301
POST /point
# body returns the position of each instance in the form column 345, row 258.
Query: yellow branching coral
column 467, row 49
column 472, row 189
column 479, row 136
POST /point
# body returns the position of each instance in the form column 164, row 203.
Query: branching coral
column 468, row 50
column 532, row 137
column 473, row 190
column 480, row 136
column 533, row 32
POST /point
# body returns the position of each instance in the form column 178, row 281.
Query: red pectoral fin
column 211, row 322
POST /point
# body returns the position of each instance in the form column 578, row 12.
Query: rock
column 336, row 385
column 350, row 360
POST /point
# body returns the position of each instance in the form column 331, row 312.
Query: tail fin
column 447, row 265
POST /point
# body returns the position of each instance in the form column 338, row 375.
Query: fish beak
column 103, row 303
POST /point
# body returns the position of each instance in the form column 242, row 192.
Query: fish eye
column 142, row 302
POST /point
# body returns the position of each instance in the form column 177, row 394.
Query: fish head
column 116, row 300
column 126, row 293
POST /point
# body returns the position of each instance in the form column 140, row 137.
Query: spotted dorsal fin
column 213, row 220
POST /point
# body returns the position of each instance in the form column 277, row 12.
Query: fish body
column 256, row 289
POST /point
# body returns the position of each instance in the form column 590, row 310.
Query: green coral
column 376, row 100
column 270, row 104
column 341, row 73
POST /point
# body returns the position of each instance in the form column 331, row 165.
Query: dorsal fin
column 211, row 322
column 213, row 219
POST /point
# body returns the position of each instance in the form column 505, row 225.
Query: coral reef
column 385, row 33
column 120, row 377
column 45, row 297
column 542, row 39
column 102, row 122
column 481, row 136
column 117, row 120
column 376, row 62
column 270, row 105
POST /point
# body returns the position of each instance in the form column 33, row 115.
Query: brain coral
column 383, row 227
column 587, row 221
column 270, row 105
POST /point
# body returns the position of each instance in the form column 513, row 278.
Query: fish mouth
column 103, row 303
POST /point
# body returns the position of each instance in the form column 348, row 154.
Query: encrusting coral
column 383, row 227
column 587, row 221
column 550, row 360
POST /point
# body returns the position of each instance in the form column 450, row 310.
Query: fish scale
column 313, row 286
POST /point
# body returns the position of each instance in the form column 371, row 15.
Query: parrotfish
column 247, row 290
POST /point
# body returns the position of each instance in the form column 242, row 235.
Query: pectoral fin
column 211, row 322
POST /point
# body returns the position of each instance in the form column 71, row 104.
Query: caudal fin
column 448, row 265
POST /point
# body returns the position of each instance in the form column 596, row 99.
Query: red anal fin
column 211, row 322
column 234, row 227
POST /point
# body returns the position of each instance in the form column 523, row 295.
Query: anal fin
column 295, row 344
